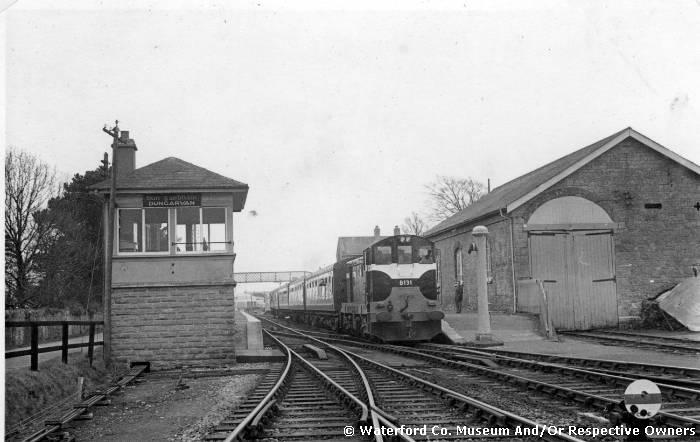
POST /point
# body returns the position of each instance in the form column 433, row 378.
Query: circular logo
column 643, row 399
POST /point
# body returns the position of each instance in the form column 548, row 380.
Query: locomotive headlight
column 426, row 284
column 380, row 285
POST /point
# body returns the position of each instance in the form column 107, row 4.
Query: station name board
column 172, row 200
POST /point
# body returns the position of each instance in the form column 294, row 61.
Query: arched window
column 459, row 267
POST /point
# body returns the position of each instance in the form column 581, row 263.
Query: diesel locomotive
column 390, row 293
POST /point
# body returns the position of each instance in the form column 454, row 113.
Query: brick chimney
column 397, row 231
column 126, row 154
column 376, row 231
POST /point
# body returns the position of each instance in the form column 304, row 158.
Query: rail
column 55, row 425
column 496, row 414
column 264, row 404
column 34, row 350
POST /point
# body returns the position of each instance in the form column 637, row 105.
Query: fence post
column 64, row 344
column 35, row 347
column 91, row 342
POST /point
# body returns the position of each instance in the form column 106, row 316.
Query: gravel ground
column 158, row 409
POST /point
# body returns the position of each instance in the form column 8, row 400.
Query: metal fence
column 34, row 349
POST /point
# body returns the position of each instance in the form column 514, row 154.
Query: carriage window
column 382, row 255
column 425, row 255
column 405, row 254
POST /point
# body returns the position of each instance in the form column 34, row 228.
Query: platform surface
column 569, row 346
column 504, row 327
column 520, row 333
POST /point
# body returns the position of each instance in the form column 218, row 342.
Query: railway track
column 295, row 402
column 681, row 404
column 591, row 388
column 670, row 374
column 398, row 405
column 616, row 337
column 674, row 375
column 417, row 407
column 80, row 410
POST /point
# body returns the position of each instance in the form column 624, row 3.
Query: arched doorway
column 572, row 252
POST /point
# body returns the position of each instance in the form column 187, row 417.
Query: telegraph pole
column 109, row 248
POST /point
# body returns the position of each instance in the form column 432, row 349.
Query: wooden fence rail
column 34, row 350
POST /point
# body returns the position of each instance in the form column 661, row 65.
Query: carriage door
column 571, row 251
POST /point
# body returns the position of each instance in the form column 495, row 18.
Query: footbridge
column 253, row 277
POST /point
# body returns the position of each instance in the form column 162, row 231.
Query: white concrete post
column 483, row 333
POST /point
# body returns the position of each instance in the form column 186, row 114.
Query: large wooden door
column 594, row 272
column 578, row 273
column 548, row 254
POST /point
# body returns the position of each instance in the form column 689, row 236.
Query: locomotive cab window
column 405, row 254
column 425, row 255
column 382, row 255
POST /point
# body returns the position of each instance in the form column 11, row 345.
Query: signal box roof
column 175, row 175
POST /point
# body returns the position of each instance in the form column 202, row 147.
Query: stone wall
column 500, row 287
column 654, row 248
column 174, row 326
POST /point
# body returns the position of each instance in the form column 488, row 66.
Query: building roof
column 517, row 192
column 171, row 174
column 349, row 246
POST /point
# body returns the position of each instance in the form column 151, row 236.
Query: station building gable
column 605, row 227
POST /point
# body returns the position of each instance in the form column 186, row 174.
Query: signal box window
column 201, row 229
column 405, row 254
column 382, row 255
column 156, row 228
column 129, row 230
column 188, row 229
column 214, row 229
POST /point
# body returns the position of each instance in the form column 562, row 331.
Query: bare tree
column 29, row 184
column 450, row 195
column 414, row 224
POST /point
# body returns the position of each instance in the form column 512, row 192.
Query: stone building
column 172, row 268
column 604, row 228
column 353, row 246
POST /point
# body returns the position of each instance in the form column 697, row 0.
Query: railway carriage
column 389, row 293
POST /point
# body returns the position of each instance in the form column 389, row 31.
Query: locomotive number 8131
column 389, row 293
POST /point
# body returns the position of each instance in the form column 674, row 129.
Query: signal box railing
column 34, row 349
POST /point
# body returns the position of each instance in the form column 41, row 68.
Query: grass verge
column 28, row 392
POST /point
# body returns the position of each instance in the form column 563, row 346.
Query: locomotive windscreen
column 403, row 260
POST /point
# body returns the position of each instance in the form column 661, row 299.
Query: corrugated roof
column 501, row 196
column 170, row 174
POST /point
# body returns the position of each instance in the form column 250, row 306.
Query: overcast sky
column 338, row 113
